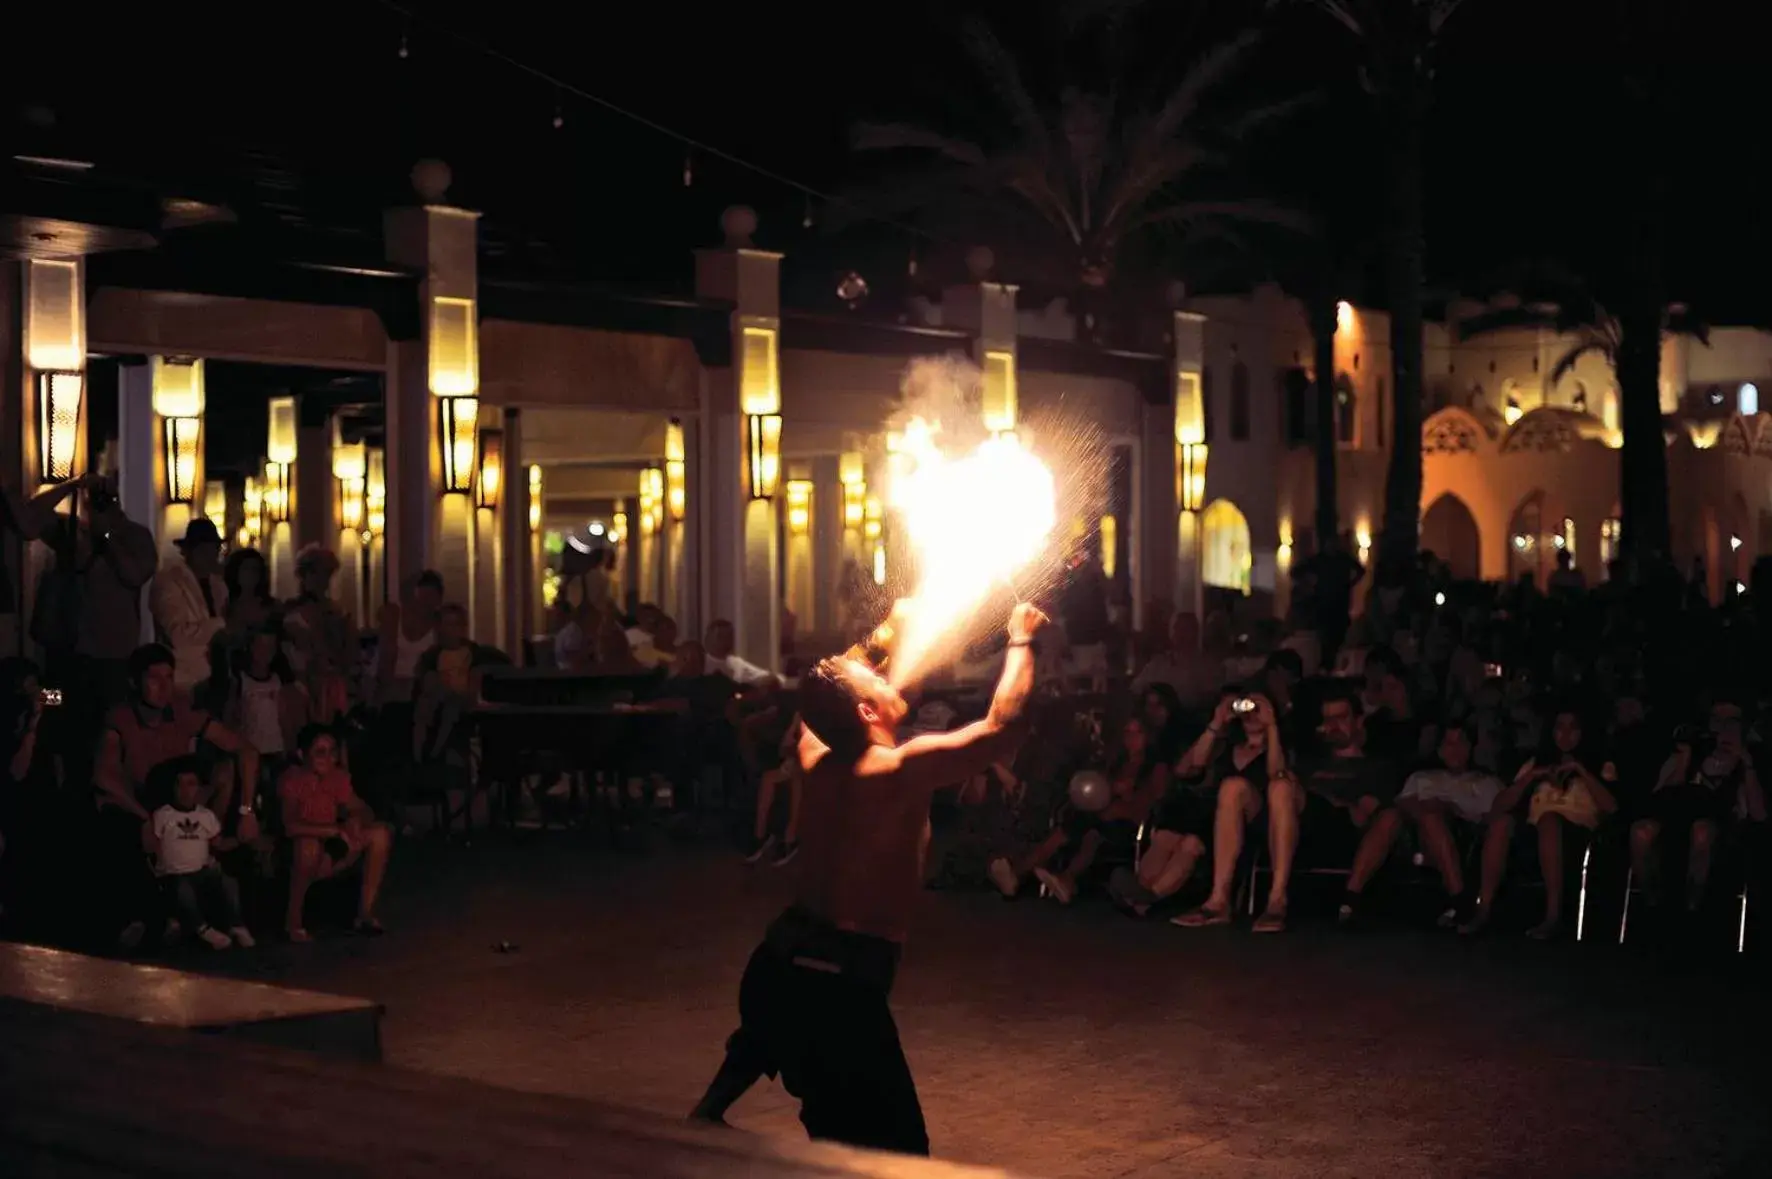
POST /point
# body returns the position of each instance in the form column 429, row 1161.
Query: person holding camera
column 87, row 610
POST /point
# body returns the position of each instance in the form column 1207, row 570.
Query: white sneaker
column 1057, row 886
column 242, row 937
column 214, row 938
column 1003, row 876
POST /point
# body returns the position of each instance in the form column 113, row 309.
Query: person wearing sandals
column 1564, row 799
column 332, row 829
column 1252, row 780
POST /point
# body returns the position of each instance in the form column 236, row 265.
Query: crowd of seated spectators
column 1506, row 753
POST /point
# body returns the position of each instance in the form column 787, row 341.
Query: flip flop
column 1270, row 922
column 1202, row 918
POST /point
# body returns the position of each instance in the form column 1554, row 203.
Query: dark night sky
column 1528, row 151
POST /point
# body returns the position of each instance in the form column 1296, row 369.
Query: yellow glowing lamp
column 454, row 348
column 759, row 391
column 851, row 468
column 215, row 500
column 350, row 460
column 872, row 515
column 618, row 529
column 999, row 397
column 1191, row 476
column 1110, row 548
column 535, row 499
column 280, row 435
column 854, row 504
column 182, row 438
column 879, row 564
column 276, row 491
column 458, row 426
column 765, row 454
column 492, row 469
column 799, row 506
column 178, row 387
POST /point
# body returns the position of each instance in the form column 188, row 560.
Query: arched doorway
column 1225, row 555
column 1449, row 531
column 1526, row 543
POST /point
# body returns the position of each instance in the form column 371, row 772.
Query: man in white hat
column 189, row 600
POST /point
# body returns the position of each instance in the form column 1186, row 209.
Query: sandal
column 1202, row 918
column 369, row 927
column 299, row 937
column 1272, row 920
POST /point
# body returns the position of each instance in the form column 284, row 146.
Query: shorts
column 1186, row 812
column 1327, row 835
column 1116, row 833
column 1677, row 808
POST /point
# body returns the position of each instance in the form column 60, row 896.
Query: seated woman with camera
column 1706, row 788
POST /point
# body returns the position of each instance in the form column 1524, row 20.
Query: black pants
column 818, row 1018
column 206, row 897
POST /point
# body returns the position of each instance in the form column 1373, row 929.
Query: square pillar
column 740, row 530
column 430, row 509
column 1188, row 458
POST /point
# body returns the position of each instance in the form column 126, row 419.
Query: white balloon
column 1090, row 791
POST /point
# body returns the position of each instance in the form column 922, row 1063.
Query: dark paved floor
column 1076, row 1042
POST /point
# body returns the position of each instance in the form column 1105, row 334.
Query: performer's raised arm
column 941, row 759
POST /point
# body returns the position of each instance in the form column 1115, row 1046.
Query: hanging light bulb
column 688, row 169
column 806, row 221
column 404, row 51
column 559, row 116
column 912, row 268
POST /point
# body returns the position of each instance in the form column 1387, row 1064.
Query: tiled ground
column 1076, row 1042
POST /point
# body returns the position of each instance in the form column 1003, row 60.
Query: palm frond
column 1595, row 343
column 997, row 65
column 904, row 136
column 1501, row 319
column 1250, row 212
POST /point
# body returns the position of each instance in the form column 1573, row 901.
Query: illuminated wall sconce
column 1283, row 554
column 252, row 513
column 852, row 475
column 280, row 452
column 1192, row 476
column 759, row 377
column 1363, row 539
column 1344, row 316
column 652, row 495
column 492, row 469
column 676, row 493
column 350, row 466
column 799, row 507
column 618, row 524
column 873, row 513
column 1741, row 587
column 1734, row 543
column 879, row 564
column 454, row 348
column 535, row 499
column 178, row 399
column 1109, row 531
column 765, row 454
column 458, row 419
column 375, row 493
column 275, row 489
column 999, row 397
column 58, row 423
column 215, row 501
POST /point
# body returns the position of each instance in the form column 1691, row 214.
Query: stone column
column 1189, row 431
column 515, row 573
column 428, row 525
column 739, row 533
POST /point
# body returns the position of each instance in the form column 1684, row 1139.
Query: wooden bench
column 94, row 1099
column 122, row 992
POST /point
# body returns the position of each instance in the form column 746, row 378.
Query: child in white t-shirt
column 182, row 836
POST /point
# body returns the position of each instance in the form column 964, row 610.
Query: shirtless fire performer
column 812, row 1004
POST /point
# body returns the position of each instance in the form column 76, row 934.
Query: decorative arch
column 1240, row 402
column 1737, row 437
column 1551, row 429
column 1454, row 431
column 1226, row 557
column 1528, row 548
column 1347, row 405
column 1449, row 530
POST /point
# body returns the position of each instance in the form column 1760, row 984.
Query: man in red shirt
column 333, row 830
column 156, row 724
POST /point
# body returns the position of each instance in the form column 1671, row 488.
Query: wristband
column 1021, row 642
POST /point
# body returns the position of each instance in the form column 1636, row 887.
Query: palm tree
column 1631, row 347
column 1398, row 41
column 1073, row 190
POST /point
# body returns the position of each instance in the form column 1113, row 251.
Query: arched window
column 1346, row 410
column 1225, row 556
column 1206, row 403
column 1240, row 402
